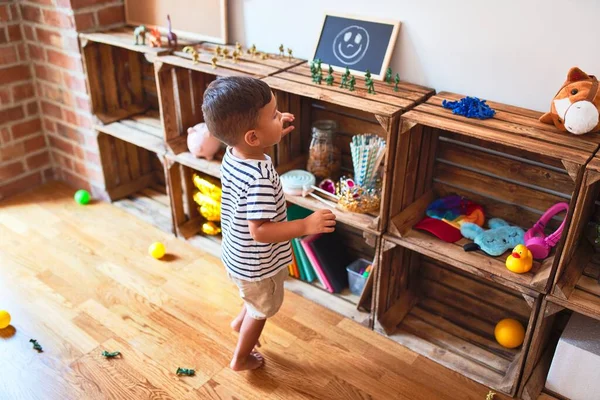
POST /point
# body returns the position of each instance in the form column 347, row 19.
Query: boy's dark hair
column 231, row 106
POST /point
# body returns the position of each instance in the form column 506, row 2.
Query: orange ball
column 509, row 333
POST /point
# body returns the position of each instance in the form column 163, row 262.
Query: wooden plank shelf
column 143, row 130
column 477, row 263
column 365, row 222
column 449, row 316
column 273, row 60
column 125, row 39
column 344, row 303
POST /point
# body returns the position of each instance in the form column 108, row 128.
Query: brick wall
column 43, row 95
column 50, row 28
column 24, row 153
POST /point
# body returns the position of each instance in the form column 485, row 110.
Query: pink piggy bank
column 201, row 143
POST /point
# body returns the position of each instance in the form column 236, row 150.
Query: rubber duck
column 521, row 260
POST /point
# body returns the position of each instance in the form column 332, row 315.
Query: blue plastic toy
column 470, row 107
column 495, row 241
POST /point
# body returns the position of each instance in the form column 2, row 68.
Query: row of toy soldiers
column 348, row 80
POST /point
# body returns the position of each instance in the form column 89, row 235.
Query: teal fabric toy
column 495, row 241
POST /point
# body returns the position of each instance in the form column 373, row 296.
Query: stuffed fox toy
column 576, row 106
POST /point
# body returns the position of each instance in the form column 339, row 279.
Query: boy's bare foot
column 253, row 361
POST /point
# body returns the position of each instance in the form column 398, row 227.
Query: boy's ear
column 251, row 138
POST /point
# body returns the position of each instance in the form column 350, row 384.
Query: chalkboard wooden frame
column 379, row 75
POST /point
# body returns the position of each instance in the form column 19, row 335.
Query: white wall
column 512, row 51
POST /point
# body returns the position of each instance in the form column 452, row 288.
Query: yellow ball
column 157, row 250
column 509, row 333
column 4, row 319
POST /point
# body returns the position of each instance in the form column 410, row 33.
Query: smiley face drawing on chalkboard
column 351, row 44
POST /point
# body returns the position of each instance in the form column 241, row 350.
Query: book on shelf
column 310, row 254
column 332, row 259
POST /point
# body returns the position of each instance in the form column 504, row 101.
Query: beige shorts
column 263, row 298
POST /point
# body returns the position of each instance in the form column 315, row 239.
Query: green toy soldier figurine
column 388, row 75
column 347, row 73
column 344, row 83
column 352, row 83
column 370, row 86
column 319, row 78
column 329, row 80
column 396, row 81
column 290, row 54
column 281, row 50
column 367, row 74
column 330, row 70
column 319, row 69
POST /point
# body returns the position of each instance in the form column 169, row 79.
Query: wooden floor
column 77, row 279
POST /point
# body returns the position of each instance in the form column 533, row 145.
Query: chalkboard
column 358, row 44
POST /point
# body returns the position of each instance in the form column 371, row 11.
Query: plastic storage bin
column 355, row 280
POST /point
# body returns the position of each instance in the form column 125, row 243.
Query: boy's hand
column 321, row 221
column 287, row 117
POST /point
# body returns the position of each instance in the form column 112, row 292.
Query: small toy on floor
column 4, row 319
column 185, row 371
column 36, row 345
column 157, row 250
column 111, row 354
column 470, row 107
column 82, row 197
column 490, row 395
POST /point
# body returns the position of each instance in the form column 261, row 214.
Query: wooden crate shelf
column 120, row 74
column 550, row 324
column 182, row 83
column 357, row 308
column 577, row 281
column 186, row 216
column 513, row 165
column 449, row 316
column 135, row 177
column 355, row 112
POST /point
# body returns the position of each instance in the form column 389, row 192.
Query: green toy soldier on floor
column 367, row 74
column 370, row 86
column 281, row 50
column 347, row 73
column 352, row 83
column 388, row 75
column 319, row 69
column 396, row 81
column 329, row 80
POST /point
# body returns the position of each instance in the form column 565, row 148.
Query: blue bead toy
column 470, row 107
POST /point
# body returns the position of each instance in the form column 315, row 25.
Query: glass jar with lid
column 324, row 157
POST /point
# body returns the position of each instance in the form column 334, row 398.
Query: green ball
column 82, row 197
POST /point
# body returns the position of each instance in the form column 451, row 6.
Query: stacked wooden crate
column 432, row 295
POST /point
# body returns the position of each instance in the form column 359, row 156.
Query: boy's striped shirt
column 251, row 191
